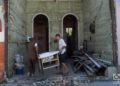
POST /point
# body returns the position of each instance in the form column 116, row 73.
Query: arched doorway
column 41, row 32
column 70, row 33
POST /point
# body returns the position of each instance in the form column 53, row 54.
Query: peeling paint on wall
column 55, row 11
column 16, row 32
column 22, row 13
column 101, row 41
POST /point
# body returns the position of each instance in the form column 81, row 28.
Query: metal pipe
column 98, row 65
column 88, row 72
column 102, row 64
column 106, row 62
column 89, row 68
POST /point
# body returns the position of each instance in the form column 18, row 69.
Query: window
column 69, row 31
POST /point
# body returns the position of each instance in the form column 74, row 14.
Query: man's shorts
column 62, row 58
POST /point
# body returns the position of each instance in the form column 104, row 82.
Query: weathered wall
column 2, row 40
column 22, row 12
column 101, row 41
column 117, row 2
column 16, row 31
column 55, row 11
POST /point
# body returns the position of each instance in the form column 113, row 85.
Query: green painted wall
column 55, row 11
column 22, row 13
column 16, row 31
column 102, row 40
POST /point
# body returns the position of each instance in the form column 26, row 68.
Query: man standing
column 62, row 49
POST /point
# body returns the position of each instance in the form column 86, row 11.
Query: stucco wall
column 101, row 41
column 55, row 11
column 22, row 13
column 16, row 31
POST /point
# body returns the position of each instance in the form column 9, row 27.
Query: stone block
column 110, row 71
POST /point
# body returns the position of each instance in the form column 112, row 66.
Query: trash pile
column 92, row 66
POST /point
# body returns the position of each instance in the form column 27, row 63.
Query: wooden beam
column 114, row 36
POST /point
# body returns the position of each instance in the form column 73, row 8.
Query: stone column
column 118, row 28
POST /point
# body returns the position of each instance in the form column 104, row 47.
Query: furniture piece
column 48, row 60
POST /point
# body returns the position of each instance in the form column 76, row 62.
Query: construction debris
column 92, row 66
column 63, row 81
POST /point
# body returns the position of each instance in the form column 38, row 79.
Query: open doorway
column 70, row 33
column 41, row 32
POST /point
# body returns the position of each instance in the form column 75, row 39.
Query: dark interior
column 41, row 32
column 70, row 31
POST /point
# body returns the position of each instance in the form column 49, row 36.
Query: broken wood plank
column 98, row 65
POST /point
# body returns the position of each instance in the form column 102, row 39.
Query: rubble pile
column 63, row 81
column 92, row 66
column 58, row 80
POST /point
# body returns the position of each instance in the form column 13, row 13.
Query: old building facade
column 60, row 16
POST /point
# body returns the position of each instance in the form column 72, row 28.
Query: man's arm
column 62, row 48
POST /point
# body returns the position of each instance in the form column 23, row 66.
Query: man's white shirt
column 62, row 44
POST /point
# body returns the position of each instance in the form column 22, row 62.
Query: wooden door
column 41, row 32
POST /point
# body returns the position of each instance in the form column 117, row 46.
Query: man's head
column 57, row 37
